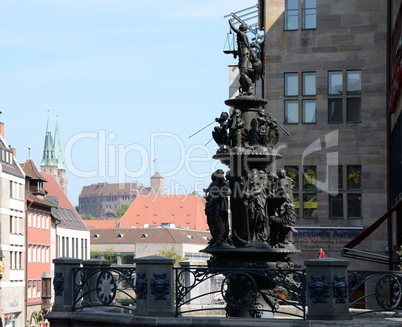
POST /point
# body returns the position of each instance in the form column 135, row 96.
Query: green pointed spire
column 48, row 149
column 57, row 149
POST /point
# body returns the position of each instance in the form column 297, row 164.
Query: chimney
column 14, row 152
column 2, row 130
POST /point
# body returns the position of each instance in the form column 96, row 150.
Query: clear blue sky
column 115, row 73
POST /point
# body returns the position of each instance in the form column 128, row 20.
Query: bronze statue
column 250, row 65
column 219, row 133
column 216, row 209
column 238, row 134
column 282, row 215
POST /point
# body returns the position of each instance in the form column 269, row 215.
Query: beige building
column 325, row 80
column 12, row 247
column 126, row 244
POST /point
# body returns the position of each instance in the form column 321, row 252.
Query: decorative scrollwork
column 239, row 290
column 319, row 289
column 106, row 287
column 141, row 286
column 160, row 286
column 388, row 291
column 58, row 283
column 340, row 289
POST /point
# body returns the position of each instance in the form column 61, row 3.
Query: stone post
column 63, row 283
column 90, row 266
column 327, row 289
column 154, row 286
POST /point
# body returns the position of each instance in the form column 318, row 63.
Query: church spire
column 57, row 149
column 48, row 149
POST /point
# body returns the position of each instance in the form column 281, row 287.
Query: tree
column 95, row 254
column 110, row 254
column 171, row 253
column 77, row 208
column 122, row 210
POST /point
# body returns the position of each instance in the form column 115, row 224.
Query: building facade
column 41, row 232
column 13, row 233
column 102, row 200
column 72, row 235
column 325, row 80
column 123, row 245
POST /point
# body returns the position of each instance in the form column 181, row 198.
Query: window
column 353, row 177
column 29, row 289
column 291, row 14
column 337, row 100
column 352, row 197
column 309, row 84
column 353, row 82
column 34, row 289
column 335, row 83
column 309, row 177
column 307, row 98
column 309, row 112
column 291, row 84
column 39, row 285
column 335, row 111
column 335, row 205
column 291, row 112
column 353, row 110
column 309, row 13
column 354, row 205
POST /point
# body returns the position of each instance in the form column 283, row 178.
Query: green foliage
column 110, row 254
column 171, row 253
column 122, row 210
column 89, row 217
column 95, row 254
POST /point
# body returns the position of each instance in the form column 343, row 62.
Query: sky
column 127, row 81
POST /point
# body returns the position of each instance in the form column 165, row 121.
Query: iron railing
column 374, row 291
column 104, row 287
column 256, row 291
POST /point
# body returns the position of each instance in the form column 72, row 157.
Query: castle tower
column 49, row 164
column 157, row 182
column 61, row 167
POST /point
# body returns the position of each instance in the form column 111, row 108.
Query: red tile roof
column 31, row 171
column 148, row 235
column 103, row 223
column 106, row 189
column 69, row 217
column 186, row 211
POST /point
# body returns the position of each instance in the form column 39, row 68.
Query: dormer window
column 119, row 236
column 96, row 236
column 144, row 236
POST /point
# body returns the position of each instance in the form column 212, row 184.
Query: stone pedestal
column 327, row 289
column 63, row 283
column 154, row 286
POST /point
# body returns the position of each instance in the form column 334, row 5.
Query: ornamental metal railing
column 234, row 290
column 374, row 291
column 114, row 286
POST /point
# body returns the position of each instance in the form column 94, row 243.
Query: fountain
column 260, row 200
